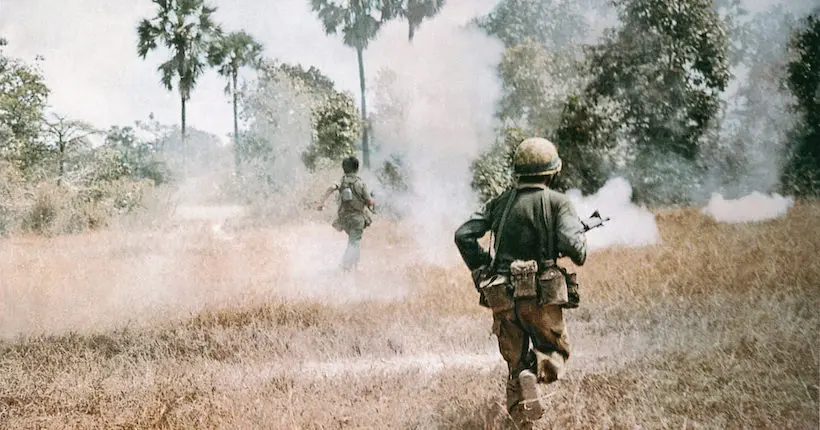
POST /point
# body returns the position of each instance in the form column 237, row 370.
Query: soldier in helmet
column 532, row 226
column 351, row 217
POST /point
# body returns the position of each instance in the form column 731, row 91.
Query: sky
column 91, row 65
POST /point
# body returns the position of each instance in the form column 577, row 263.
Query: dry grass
column 717, row 327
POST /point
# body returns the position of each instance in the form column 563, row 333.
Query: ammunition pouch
column 523, row 278
column 495, row 293
column 573, row 298
column 552, row 285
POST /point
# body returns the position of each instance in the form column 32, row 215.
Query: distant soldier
column 352, row 216
column 532, row 226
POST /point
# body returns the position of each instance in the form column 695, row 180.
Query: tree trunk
column 236, row 157
column 184, row 144
column 365, row 125
column 61, row 145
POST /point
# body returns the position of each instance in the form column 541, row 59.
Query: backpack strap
column 497, row 241
column 550, row 225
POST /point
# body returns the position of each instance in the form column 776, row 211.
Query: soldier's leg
column 514, row 344
column 548, row 332
column 355, row 229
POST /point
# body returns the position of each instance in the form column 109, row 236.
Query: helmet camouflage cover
column 536, row 156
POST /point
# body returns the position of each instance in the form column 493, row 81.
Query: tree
column 186, row 29
column 549, row 23
column 803, row 78
column 416, row 11
column 67, row 135
column 359, row 21
column 23, row 97
column 663, row 71
column 335, row 129
column 229, row 54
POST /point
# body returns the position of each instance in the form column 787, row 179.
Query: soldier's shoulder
column 558, row 198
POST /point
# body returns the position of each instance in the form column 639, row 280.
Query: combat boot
column 530, row 408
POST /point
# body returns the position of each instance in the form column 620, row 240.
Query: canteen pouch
column 495, row 291
column 347, row 194
column 523, row 278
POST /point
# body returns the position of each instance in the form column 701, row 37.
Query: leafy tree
column 492, row 171
column 186, row 28
column 662, row 72
column 803, row 172
column 140, row 158
column 23, row 96
column 67, row 135
column 311, row 78
column 335, row 130
column 229, row 54
column 549, row 23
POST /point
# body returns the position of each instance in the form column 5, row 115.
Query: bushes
column 43, row 207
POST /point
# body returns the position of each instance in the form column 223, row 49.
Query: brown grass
column 716, row 327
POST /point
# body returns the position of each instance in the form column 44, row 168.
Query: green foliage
column 357, row 20
column 549, row 23
column 229, row 53
column 492, row 171
column 803, row 171
column 666, row 67
column 23, row 97
column 186, row 28
column 335, row 130
column 416, row 11
column 655, row 85
column 138, row 158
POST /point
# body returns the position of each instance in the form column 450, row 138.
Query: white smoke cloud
column 629, row 225
column 447, row 86
column 751, row 208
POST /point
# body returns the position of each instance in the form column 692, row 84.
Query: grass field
column 716, row 327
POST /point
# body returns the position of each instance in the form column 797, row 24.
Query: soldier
column 352, row 216
column 532, row 226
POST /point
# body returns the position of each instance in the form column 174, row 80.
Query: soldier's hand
column 479, row 275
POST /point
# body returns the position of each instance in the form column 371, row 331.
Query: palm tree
column 416, row 11
column 185, row 28
column 229, row 54
column 359, row 21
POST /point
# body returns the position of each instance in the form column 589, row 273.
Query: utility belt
column 546, row 282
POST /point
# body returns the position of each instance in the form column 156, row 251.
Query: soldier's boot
column 530, row 408
column 550, row 367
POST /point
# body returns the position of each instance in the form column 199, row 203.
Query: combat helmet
column 536, row 156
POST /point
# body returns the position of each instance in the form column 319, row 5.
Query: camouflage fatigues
column 524, row 238
column 352, row 217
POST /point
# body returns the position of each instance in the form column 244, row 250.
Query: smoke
column 751, row 208
column 630, row 225
column 446, row 88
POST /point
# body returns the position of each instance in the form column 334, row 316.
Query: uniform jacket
column 525, row 232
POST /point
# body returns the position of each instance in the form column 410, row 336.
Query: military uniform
column 352, row 217
column 533, row 213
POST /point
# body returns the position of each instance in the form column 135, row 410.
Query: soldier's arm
column 572, row 241
column 365, row 193
column 467, row 236
column 327, row 194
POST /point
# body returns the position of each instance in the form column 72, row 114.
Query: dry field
column 182, row 327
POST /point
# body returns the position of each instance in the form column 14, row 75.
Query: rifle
column 594, row 221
